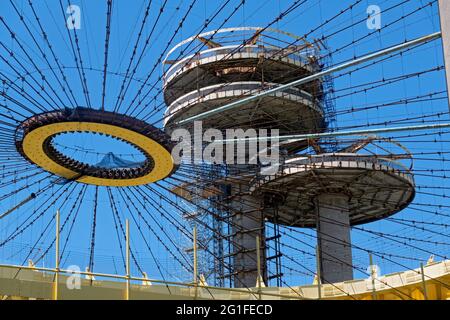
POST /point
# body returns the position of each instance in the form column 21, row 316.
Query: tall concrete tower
column 207, row 71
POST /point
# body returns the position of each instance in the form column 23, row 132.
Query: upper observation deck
column 236, row 55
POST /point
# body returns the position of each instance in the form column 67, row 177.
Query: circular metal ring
column 35, row 135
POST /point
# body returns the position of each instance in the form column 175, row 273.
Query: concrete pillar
column 333, row 236
column 444, row 11
column 247, row 224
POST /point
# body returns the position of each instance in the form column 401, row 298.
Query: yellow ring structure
column 33, row 148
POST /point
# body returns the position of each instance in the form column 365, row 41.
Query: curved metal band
column 33, row 148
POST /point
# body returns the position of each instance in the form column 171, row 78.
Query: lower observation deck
column 376, row 187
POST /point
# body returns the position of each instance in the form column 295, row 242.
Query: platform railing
column 231, row 52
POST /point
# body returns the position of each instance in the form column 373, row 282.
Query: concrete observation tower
column 221, row 66
column 326, row 191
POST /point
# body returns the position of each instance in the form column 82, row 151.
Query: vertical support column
column 424, row 283
column 56, row 284
column 333, row 236
column 258, row 265
column 247, row 224
column 127, row 230
column 444, row 11
column 319, row 274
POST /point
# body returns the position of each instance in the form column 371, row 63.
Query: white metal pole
column 313, row 77
column 372, row 276
column 258, row 266
column 424, row 284
column 194, row 243
column 318, row 273
column 444, row 12
column 295, row 137
column 127, row 227
column 56, row 257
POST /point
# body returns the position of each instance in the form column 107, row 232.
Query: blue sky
column 125, row 24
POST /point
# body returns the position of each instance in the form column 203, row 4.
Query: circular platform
column 221, row 65
column 376, row 187
column 34, row 140
column 227, row 59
